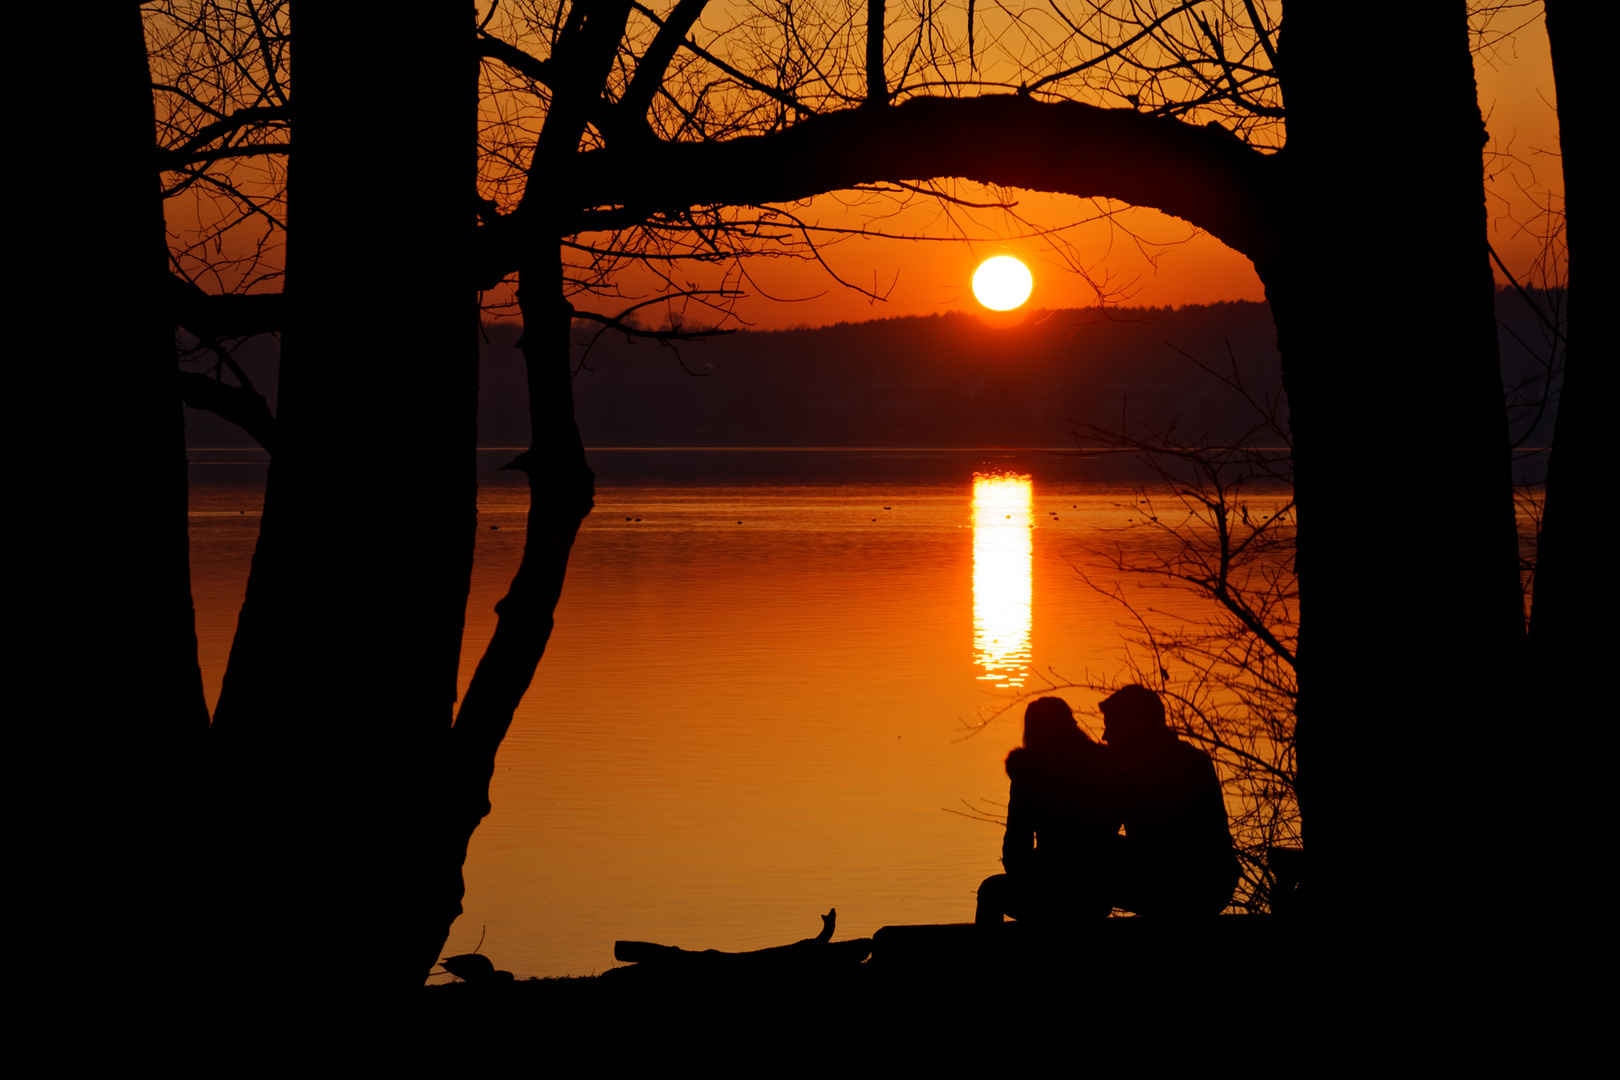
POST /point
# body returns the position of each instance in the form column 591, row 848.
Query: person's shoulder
column 1037, row 765
column 1194, row 756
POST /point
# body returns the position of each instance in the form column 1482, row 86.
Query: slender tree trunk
column 342, row 677
column 561, row 486
column 561, row 494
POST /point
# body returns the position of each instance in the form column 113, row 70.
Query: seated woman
column 1059, row 824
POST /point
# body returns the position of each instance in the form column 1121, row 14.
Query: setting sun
column 1002, row 283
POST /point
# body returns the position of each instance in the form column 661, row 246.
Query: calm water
column 757, row 701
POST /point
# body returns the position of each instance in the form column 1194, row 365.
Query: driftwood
column 811, row 954
column 473, row 968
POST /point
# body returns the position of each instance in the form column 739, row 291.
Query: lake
column 773, row 688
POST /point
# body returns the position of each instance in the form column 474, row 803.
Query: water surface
column 758, row 699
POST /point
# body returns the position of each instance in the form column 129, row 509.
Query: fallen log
column 811, row 954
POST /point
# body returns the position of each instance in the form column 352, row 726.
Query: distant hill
column 944, row 380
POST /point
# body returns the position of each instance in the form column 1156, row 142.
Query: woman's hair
column 1049, row 723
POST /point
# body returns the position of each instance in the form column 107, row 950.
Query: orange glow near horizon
column 1003, row 577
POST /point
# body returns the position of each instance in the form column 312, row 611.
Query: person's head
column 1049, row 723
column 1132, row 714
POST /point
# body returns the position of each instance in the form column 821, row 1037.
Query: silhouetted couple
column 1064, row 857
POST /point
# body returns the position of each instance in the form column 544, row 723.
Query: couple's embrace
column 1063, row 853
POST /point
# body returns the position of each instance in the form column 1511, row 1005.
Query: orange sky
column 1516, row 95
column 1138, row 257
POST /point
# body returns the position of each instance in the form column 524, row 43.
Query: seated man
column 1176, row 856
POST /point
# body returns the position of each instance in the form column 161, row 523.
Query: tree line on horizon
column 945, row 380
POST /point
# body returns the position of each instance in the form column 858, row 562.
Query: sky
column 1111, row 252
column 1143, row 257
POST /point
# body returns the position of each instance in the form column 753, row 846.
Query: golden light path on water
column 1003, row 580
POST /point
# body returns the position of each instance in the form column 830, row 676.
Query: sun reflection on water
column 1002, row 579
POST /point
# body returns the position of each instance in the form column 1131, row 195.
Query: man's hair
column 1133, row 709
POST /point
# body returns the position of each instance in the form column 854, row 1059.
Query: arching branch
column 649, row 77
column 1202, row 175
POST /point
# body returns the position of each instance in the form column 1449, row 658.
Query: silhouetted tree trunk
column 1568, row 624
column 1410, row 611
column 1564, row 603
column 336, row 705
column 369, row 732
column 561, row 485
column 336, row 765
column 561, row 494
column 155, row 657
column 103, row 603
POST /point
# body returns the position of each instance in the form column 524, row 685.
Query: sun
column 1002, row 283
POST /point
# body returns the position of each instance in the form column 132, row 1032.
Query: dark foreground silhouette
column 1063, row 853
column 930, row 995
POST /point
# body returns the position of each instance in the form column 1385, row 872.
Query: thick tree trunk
column 1564, row 605
column 104, row 607
column 1410, row 612
column 1567, row 634
column 145, row 584
column 371, row 742
column 337, row 701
